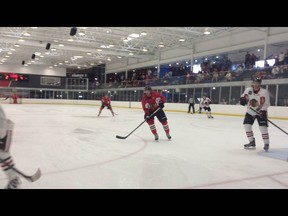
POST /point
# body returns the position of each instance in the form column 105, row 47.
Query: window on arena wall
column 206, row 91
column 190, row 91
column 235, row 94
column 120, row 95
column 50, row 81
column 272, row 93
column 224, row 97
column 198, row 94
column 183, row 95
column 282, row 95
column 168, row 93
column 215, row 95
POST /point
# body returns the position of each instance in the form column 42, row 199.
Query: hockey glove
column 243, row 101
column 146, row 117
column 263, row 114
column 161, row 104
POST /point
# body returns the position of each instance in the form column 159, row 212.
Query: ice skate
column 168, row 136
column 13, row 184
column 250, row 145
column 266, row 147
column 156, row 136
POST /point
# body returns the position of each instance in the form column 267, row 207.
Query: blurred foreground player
column 6, row 160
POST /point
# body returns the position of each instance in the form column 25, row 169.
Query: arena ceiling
column 85, row 47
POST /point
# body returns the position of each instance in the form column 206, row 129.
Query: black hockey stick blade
column 120, row 137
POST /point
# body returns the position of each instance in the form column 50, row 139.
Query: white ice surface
column 75, row 149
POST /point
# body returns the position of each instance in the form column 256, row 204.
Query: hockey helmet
column 148, row 88
column 257, row 79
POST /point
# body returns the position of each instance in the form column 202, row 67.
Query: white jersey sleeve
column 3, row 123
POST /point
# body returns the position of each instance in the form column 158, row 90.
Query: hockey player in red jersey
column 151, row 100
column 106, row 102
column 258, row 99
column 6, row 160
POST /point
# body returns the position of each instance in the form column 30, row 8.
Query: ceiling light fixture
column 161, row 45
column 207, row 32
column 48, row 46
column 26, row 34
column 81, row 33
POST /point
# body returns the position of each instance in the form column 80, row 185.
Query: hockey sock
column 265, row 135
column 165, row 127
column 249, row 132
column 7, row 163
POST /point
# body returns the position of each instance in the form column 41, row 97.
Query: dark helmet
column 148, row 88
column 258, row 80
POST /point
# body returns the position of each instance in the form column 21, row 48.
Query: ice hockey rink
column 75, row 149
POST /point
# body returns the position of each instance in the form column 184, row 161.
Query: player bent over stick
column 106, row 102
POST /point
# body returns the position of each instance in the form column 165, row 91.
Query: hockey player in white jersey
column 6, row 160
column 256, row 98
column 205, row 103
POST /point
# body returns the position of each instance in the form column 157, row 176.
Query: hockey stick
column 121, row 137
column 269, row 121
column 196, row 111
column 31, row 178
column 3, row 99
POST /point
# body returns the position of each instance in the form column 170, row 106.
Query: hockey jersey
column 106, row 101
column 205, row 102
column 262, row 99
column 150, row 104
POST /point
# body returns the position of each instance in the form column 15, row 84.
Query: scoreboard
column 14, row 77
